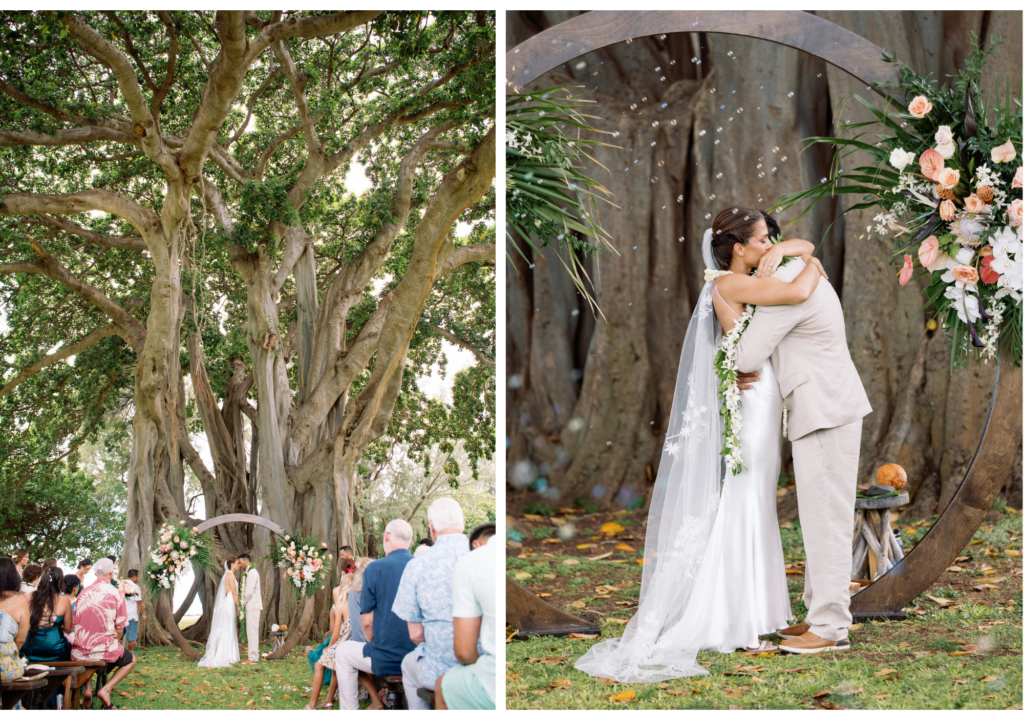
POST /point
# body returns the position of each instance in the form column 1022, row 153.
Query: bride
column 714, row 574
column 222, row 647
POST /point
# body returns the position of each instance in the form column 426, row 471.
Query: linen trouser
column 252, row 633
column 826, row 464
column 348, row 661
column 412, row 681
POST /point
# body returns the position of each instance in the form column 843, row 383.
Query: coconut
column 892, row 474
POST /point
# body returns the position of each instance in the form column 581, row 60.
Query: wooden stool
column 73, row 695
column 875, row 550
column 12, row 692
column 279, row 639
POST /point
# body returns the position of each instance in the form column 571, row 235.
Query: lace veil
column 682, row 513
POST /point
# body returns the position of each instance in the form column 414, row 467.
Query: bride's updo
column 230, row 562
column 735, row 225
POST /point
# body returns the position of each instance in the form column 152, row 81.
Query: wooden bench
column 427, row 696
column 875, row 550
column 73, row 694
column 52, row 681
column 12, row 692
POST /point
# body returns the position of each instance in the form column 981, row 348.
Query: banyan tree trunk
column 693, row 139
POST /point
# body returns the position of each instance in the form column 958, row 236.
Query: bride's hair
column 735, row 225
column 232, row 559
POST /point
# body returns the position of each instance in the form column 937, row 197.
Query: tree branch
column 113, row 242
column 88, row 340
column 480, row 356
column 463, row 255
column 65, row 137
column 23, row 203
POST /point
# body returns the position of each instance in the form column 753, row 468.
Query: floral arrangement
column 947, row 180
column 549, row 198
column 728, row 391
column 305, row 561
column 178, row 548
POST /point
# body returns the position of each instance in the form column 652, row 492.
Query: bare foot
column 376, row 706
column 104, row 698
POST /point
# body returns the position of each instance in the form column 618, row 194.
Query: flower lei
column 241, row 596
column 728, row 391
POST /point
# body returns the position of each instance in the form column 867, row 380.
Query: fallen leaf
column 822, row 693
column 602, row 557
column 551, row 540
column 960, row 682
column 612, row 528
column 904, row 644
column 882, row 697
column 250, row 702
column 523, row 576
column 680, row 693
column 826, row 705
column 986, row 586
column 581, row 636
column 586, row 546
column 549, row 576
column 623, row 546
column 231, row 704
column 640, row 561
column 616, row 620
column 886, row 671
column 856, row 691
column 959, row 653
column 530, row 516
column 561, row 684
column 571, row 561
column 794, row 572
column 855, row 626
column 758, row 680
column 991, row 678
column 577, row 604
column 543, row 594
column 626, row 696
column 943, row 602
column 954, row 569
column 1012, row 553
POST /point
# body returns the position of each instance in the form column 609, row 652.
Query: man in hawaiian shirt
column 424, row 600
column 100, row 616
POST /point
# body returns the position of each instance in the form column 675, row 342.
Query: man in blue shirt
column 386, row 634
column 424, row 600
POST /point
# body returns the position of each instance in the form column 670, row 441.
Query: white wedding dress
column 222, row 647
column 714, row 572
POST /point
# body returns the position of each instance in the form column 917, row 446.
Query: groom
column 826, row 401
column 252, row 603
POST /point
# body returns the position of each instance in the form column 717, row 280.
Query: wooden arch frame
column 922, row 566
column 168, row 611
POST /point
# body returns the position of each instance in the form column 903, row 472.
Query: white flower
column 946, row 150
column 964, row 255
column 275, row 627
column 900, row 158
column 963, row 301
column 944, row 135
column 1005, row 241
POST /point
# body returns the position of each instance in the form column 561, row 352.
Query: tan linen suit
column 252, row 603
column 826, row 402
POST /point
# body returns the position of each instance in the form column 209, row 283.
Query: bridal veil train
column 222, row 647
column 714, row 573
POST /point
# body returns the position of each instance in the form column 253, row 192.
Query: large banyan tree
column 177, row 230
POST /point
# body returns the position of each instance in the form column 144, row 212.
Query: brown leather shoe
column 794, row 630
column 809, row 643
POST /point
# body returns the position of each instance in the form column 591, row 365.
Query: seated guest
column 386, row 634
column 421, row 550
column 341, row 631
column 51, row 620
column 20, row 558
column 345, row 566
column 84, row 566
column 136, row 610
column 424, row 601
column 72, row 586
column 30, row 577
column 425, row 541
column 100, row 615
column 471, row 685
column 15, row 616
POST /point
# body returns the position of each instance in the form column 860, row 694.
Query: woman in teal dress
column 51, row 622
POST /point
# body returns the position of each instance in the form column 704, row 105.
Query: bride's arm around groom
column 826, row 403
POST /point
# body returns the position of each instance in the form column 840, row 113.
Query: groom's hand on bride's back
column 746, row 381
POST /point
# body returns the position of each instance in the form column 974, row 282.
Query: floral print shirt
column 425, row 596
column 100, row 615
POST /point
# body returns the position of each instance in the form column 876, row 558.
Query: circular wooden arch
column 305, row 618
column 922, row 566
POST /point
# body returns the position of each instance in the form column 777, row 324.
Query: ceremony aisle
column 960, row 647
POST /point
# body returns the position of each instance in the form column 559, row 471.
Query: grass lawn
column 165, row 679
column 960, row 647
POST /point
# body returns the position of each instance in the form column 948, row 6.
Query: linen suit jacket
column 252, row 600
column 807, row 345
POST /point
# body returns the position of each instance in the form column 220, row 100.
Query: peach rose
column 974, row 204
column 1018, row 178
column 985, row 251
column 907, row 271
column 947, row 210
column 1016, row 212
column 920, row 106
column 931, row 164
column 949, row 178
column 1004, row 153
column 928, row 250
column 965, row 274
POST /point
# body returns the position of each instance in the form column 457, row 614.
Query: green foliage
column 551, row 201
column 176, row 550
